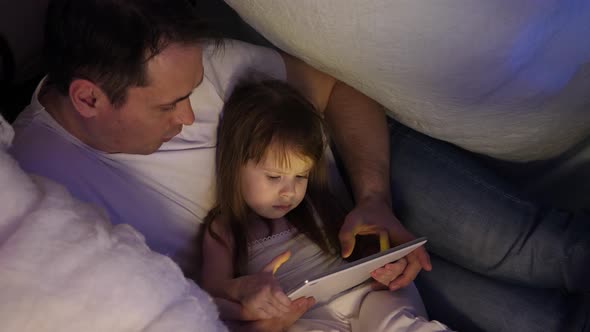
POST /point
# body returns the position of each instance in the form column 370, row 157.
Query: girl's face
column 270, row 189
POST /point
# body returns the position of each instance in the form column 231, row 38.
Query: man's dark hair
column 109, row 42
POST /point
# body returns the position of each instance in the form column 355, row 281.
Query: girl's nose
column 288, row 189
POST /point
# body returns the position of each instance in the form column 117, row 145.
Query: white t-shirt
column 164, row 195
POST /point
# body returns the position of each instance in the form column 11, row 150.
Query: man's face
column 271, row 190
column 155, row 113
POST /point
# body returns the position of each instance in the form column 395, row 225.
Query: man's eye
column 168, row 108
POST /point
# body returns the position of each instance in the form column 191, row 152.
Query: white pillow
column 510, row 79
column 64, row 267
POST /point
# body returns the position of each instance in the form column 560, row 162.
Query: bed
column 64, row 267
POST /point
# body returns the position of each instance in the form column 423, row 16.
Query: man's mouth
column 168, row 138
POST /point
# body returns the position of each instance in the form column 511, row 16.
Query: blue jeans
column 500, row 261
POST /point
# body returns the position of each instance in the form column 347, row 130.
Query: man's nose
column 184, row 113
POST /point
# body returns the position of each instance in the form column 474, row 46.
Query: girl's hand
column 386, row 274
column 260, row 294
column 298, row 308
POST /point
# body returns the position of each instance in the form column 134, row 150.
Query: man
column 127, row 119
column 114, row 121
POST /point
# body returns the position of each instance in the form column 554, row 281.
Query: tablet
column 325, row 285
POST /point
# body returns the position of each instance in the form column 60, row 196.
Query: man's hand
column 260, row 294
column 388, row 273
column 373, row 216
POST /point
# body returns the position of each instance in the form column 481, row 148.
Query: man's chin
column 153, row 150
column 147, row 150
column 141, row 150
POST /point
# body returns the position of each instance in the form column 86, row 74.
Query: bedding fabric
column 64, row 267
column 509, row 79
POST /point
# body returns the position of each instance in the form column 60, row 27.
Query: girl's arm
column 217, row 272
column 251, row 297
column 217, row 268
column 228, row 310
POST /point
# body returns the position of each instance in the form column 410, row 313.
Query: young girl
column 275, row 223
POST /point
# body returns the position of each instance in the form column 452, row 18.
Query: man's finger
column 347, row 243
column 424, row 258
column 408, row 276
column 397, row 267
column 276, row 262
column 347, row 236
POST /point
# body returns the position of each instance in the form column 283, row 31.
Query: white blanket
column 64, row 267
column 506, row 78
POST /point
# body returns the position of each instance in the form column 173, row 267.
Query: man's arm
column 314, row 84
column 356, row 123
column 358, row 127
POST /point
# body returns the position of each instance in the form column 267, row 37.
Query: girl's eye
column 273, row 177
column 302, row 177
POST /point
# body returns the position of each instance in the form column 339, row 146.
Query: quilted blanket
column 505, row 78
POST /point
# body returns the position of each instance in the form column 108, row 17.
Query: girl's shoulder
column 220, row 229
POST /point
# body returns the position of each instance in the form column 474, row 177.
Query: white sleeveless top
column 307, row 258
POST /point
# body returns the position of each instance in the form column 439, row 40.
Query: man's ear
column 88, row 99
